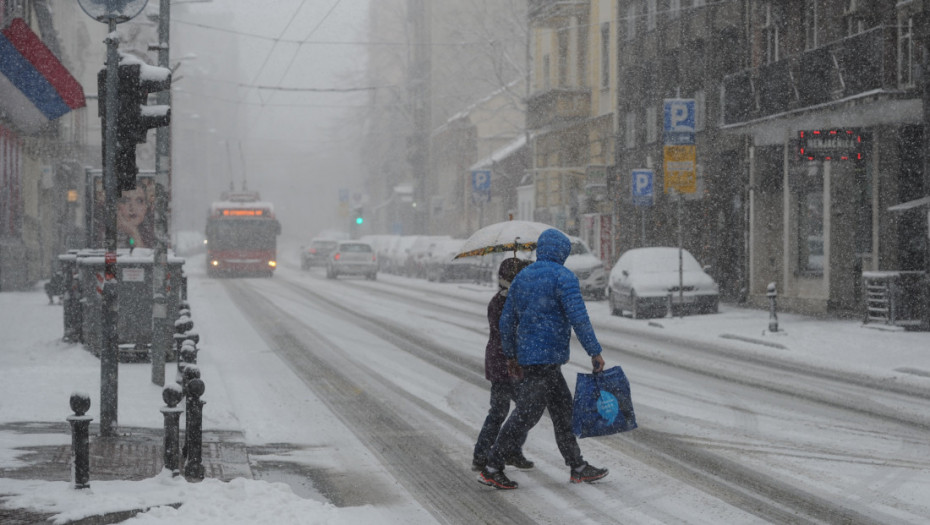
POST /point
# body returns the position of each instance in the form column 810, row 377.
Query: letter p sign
column 642, row 187
column 679, row 115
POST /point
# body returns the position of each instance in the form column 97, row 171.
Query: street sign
column 643, row 193
column 481, row 185
column 679, row 122
column 679, row 164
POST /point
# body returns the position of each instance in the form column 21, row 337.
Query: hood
column 553, row 246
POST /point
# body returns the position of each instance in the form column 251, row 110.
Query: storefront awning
column 35, row 87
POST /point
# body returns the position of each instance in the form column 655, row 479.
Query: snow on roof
column 500, row 154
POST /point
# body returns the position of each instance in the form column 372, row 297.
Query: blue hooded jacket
column 543, row 305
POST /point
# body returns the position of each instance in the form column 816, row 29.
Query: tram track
column 764, row 496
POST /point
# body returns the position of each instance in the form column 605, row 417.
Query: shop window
column 652, row 125
column 810, row 220
column 630, row 131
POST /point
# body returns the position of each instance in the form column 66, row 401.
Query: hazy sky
column 298, row 140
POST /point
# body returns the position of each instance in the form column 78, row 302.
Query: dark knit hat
column 509, row 269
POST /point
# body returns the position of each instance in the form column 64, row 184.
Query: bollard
column 669, row 314
column 172, row 396
column 193, row 466
column 189, row 372
column 80, row 440
column 772, row 294
column 189, row 353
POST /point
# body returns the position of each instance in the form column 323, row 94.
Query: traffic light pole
column 109, row 354
column 161, row 330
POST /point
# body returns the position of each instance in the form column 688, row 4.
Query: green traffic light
column 359, row 220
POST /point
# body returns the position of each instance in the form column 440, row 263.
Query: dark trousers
column 543, row 387
column 502, row 393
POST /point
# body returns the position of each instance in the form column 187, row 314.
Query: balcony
column 556, row 13
column 558, row 106
column 852, row 66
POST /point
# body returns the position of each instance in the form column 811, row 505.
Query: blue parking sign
column 481, row 185
column 643, row 194
column 679, row 122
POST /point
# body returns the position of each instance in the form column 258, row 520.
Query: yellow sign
column 680, row 168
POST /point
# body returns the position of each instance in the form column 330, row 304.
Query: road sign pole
column 109, row 353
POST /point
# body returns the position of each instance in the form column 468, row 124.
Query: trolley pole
column 161, row 330
column 109, row 354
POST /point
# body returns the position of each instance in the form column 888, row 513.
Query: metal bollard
column 172, row 396
column 669, row 313
column 188, row 373
column 193, row 466
column 80, row 440
column 772, row 294
column 189, row 353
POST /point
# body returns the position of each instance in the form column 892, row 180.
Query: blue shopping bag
column 602, row 404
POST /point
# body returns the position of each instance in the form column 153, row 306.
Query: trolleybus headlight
column 215, row 262
column 272, row 263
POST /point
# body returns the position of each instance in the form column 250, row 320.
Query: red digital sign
column 830, row 144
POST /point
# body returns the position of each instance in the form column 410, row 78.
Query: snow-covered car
column 352, row 258
column 316, row 253
column 440, row 265
column 592, row 277
column 643, row 279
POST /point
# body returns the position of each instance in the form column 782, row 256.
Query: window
column 605, row 55
column 810, row 220
column 700, row 109
column 855, row 17
column 563, row 58
column 652, row 127
column 631, row 21
column 630, row 129
column 810, row 24
column 773, row 21
column 650, row 15
column 674, row 8
column 906, row 59
column 546, row 73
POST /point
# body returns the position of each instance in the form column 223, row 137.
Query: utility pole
column 161, row 329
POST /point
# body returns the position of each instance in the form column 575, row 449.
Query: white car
column 352, row 258
column 644, row 279
column 592, row 277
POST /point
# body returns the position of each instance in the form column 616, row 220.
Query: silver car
column 352, row 258
column 646, row 280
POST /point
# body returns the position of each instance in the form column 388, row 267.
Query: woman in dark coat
column 503, row 384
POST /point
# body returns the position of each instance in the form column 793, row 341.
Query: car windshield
column 658, row 260
column 355, row 248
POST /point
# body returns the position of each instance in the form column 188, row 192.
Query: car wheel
column 612, row 301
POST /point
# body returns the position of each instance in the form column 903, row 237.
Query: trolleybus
column 241, row 236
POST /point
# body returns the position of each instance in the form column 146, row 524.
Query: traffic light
column 359, row 218
column 135, row 117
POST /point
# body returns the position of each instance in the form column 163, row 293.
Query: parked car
column 440, row 265
column 316, row 253
column 352, row 258
column 592, row 277
column 643, row 279
column 415, row 262
column 397, row 253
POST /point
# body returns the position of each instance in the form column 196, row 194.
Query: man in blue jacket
column 542, row 308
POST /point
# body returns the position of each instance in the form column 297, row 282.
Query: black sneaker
column 520, row 462
column 478, row 464
column 588, row 474
column 498, row 480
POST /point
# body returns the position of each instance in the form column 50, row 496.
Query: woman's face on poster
column 132, row 206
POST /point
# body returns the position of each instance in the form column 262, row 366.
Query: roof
column 500, row 154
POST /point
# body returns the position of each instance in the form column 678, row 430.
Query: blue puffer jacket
column 543, row 306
